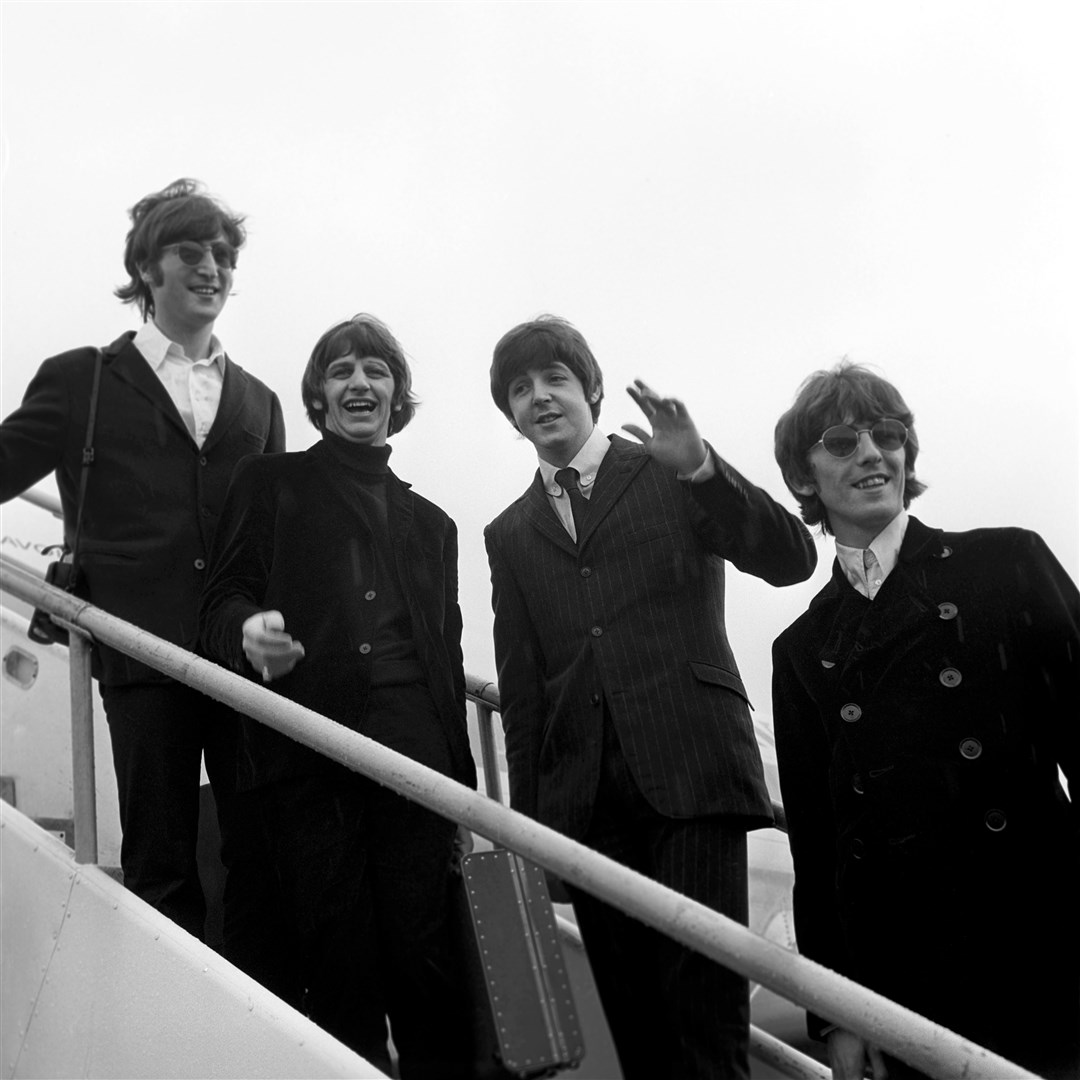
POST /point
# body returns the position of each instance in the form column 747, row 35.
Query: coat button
column 850, row 712
column 595, row 699
column 857, row 848
column 369, row 595
column 970, row 749
column 365, row 649
column 202, row 461
column 596, row 631
column 944, row 553
column 950, row 677
column 200, row 564
column 586, row 571
column 946, row 611
column 857, row 785
column 995, row 820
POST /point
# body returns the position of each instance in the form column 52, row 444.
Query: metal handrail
column 485, row 696
column 44, row 500
column 927, row 1046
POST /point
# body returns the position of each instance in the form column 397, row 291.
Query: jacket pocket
column 718, row 676
column 256, row 439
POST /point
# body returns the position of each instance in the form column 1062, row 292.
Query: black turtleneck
column 362, row 472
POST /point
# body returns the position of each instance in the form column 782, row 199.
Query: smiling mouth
column 205, row 290
column 868, row 483
column 359, row 405
column 548, row 417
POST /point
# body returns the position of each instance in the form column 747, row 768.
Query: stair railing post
column 82, row 748
column 488, row 752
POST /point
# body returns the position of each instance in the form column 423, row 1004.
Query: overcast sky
column 723, row 197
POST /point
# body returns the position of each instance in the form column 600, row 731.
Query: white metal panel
column 35, row 738
column 98, row 984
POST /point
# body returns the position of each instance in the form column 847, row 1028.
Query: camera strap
column 87, row 461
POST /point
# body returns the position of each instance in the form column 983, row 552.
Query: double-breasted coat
column 919, row 738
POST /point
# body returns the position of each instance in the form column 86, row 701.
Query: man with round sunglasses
column 923, row 707
column 174, row 415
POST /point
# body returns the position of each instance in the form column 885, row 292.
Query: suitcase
column 525, row 1020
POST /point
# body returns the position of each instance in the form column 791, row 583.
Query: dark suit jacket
column 153, row 497
column 919, row 738
column 633, row 615
column 291, row 540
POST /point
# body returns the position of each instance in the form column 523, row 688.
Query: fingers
column 640, row 400
column 269, row 649
column 272, row 665
column 879, row 1070
column 638, row 433
column 652, row 404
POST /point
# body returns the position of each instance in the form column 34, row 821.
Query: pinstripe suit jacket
column 633, row 615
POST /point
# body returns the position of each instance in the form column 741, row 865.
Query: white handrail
column 44, row 500
column 927, row 1046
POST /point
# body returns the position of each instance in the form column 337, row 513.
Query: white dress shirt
column 587, row 462
column 867, row 568
column 193, row 385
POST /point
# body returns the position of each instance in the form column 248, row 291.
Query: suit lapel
column 130, row 365
column 233, row 392
column 620, row 465
column 400, row 508
column 541, row 515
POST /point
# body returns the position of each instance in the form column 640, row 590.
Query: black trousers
column 159, row 734
column 365, row 877
column 672, row 1012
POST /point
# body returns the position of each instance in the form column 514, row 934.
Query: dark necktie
column 567, row 479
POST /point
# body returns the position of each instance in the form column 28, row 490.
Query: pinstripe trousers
column 672, row 1012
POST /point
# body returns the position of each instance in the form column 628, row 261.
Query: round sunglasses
column 842, row 440
column 192, row 253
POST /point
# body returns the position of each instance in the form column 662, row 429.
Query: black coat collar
column 858, row 626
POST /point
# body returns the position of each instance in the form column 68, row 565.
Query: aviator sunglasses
column 192, row 253
column 842, row 440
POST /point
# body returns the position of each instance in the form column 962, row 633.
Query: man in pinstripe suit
column 626, row 721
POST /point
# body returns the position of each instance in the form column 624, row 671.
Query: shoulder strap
column 87, row 461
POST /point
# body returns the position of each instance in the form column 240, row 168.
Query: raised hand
column 674, row 440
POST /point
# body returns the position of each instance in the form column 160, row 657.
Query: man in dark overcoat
column 925, row 708
column 175, row 414
column 627, row 723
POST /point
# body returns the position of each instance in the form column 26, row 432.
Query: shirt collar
column 156, row 347
column 586, row 461
column 886, row 549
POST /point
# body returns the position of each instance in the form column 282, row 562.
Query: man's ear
column 316, row 404
column 594, row 397
column 150, row 273
column 803, row 488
